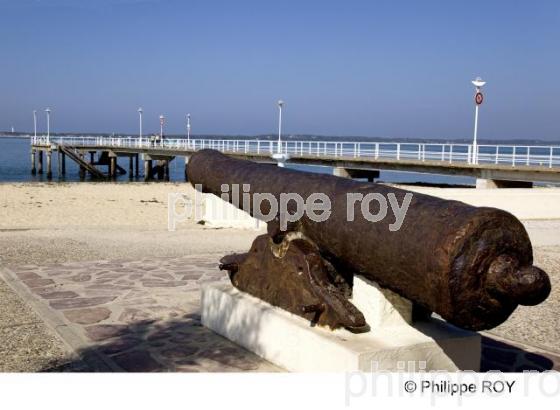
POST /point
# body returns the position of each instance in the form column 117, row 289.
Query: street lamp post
column 280, row 105
column 161, row 121
column 280, row 157
column 48, row 111
column 140, row 111
column 188, row 130
column 35, row 123
column 478, row 83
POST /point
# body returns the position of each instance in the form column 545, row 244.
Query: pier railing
column 514, row 155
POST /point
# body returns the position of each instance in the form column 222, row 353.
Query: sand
column 87, row 205
column 54, row 223
column 541, row 203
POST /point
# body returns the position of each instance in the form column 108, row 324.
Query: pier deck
column 502, row 165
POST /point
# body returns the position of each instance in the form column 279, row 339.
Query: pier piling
column 63, row 162
column 147, row 168
column 49, row 164
column 130, row 166
column 82, row 169
column 113, row 167
column 136, row 166
column 33, row 169
column 40, row 162
column 166, row 170
column 159, row 168
column 342, row 172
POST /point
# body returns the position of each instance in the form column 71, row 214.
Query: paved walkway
column 133, row 315
column 143, row 315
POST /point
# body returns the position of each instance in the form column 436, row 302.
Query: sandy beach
column 43, row 224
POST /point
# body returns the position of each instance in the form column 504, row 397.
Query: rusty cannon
column 471, row 265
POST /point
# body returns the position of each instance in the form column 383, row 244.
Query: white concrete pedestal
column 290, row 342
column 218, row 213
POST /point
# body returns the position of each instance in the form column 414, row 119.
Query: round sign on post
column 478, row 98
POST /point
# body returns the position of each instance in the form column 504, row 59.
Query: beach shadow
column 498, row 355
column 495, row 355
column 179, row 345
column 185, row 345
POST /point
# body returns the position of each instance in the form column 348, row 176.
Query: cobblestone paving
column 143, row 315
column 137, row 315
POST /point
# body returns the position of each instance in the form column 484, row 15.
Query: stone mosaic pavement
column 143, row 315
column 137, row 315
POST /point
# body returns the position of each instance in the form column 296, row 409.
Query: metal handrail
column 514, row 155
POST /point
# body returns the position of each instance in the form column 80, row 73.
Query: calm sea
column 15, row 166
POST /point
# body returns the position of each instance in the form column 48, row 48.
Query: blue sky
column 372, row 68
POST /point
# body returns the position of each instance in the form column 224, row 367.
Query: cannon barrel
column 471, row 265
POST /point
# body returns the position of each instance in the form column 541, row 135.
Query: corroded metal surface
column 294, row 276
column 471, row 265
